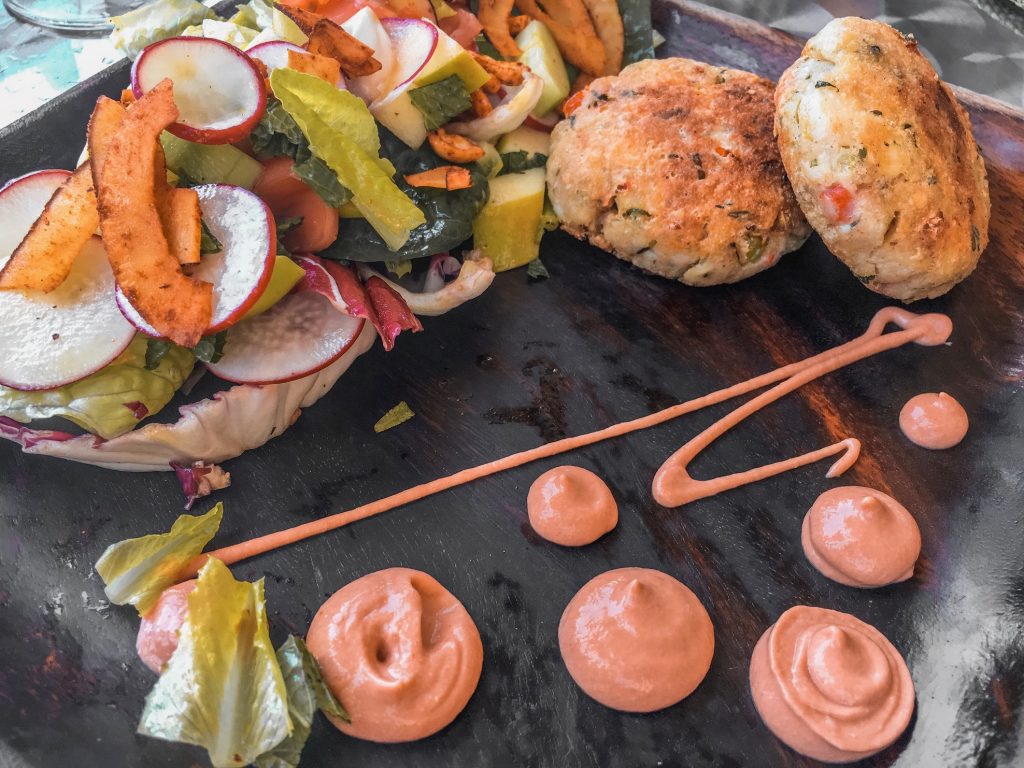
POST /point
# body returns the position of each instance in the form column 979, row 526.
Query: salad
column 273, row 193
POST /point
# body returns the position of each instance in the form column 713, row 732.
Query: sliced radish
column 219, row 92
column 22, row 201
column 274, row 55
column 545, row 124
column 414, row 42
column 318, row 280
column 51, row 339
column 366, row 27
column 241, row 270
column 299, row 335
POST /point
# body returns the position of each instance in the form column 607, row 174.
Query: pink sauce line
column 923, row 329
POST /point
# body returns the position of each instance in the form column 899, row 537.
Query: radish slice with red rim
column 414, row 42
column 219, row 92
column 241, row 270
column 301, row 334
column 22, row 201
column 51, row 339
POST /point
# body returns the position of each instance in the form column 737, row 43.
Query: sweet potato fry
column 608, row 26
column 571, row 26
column 125, row 180
column 494, row 16
column 356, row 58
column 454, row 148
column 449, row 177
column 324, row 67
column 480, row 103
column 517, row 24
column 506, row 72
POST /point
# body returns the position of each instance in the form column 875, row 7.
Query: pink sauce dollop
column 636, row 640
column 861, row 537
column 830, row 686
column 571, row 506
column 934, row 420
column 399, row 651
column 158, row 632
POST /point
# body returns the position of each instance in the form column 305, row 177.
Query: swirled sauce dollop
column 934, row 420
column 399, row 651
column 861, row 537
column 158, row 633
column 830, row 686
column 571, row 506
column 636, row 639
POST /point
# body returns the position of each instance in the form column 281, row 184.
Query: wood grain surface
column 532, row 361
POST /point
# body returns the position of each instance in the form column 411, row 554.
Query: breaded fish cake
column 671, row 165
column 882, row 160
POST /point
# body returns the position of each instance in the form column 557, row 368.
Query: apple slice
column 300, row 335
column 367, row 29
column 22, row 201
column 51, row 339
column 218, row 90
column 241, row 270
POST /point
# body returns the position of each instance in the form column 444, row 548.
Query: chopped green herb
column 738, row 214
column 536, row 270
column 862, row 152
column 441, row 101
column 399, row 268
column 876, row 112
column 699, row 163
column 400, row 414
column 754, row 247
column 520, row 161
column 207, row 242
column 210, row 349
column 874, row 50
column 824, row 84
column 866, row 278
column 975, row 239
column 287, row 223
column 636, row 213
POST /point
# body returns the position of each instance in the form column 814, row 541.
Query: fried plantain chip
column 494, row 17
column 45, row 255
column 125, row 174
column 608, row 26
column 517, row 24
column 505, row 72
column 304, row 20
column 480, row 104
column 454, row 148
column 571, row 26
column 182, row 222
column 324, row 67
column 449, row 177
column 355, row 57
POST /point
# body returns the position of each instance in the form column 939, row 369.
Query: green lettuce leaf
column 341, row 132
column 227, row 31
column 138, row 570
column 111, row 401
column 639, row 33
column 399, row 414
column 441, row 101
column 222, row 689
column 278, row 135
column 449, row 215
column 307, row 692
column 135, row 30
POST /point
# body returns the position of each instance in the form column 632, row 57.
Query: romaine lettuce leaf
column 136, row 29
column 343, row 134
column 307, row 692
column 138, row 570
column 222, row 689
column 228, row 31
column 111, row 401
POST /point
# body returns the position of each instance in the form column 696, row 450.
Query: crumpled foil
column 971, row 42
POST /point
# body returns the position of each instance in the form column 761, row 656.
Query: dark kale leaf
column 449, row 214
column 639, row 37
column 207, row 242
column 521, row 160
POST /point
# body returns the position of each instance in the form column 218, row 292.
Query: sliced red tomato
column 288, row 196
column 839, row 203
column 463, row 27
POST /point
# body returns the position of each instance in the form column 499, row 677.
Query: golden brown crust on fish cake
column 671, row 165
column 882, row 160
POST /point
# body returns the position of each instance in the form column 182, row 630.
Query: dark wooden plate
column 596, row 343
